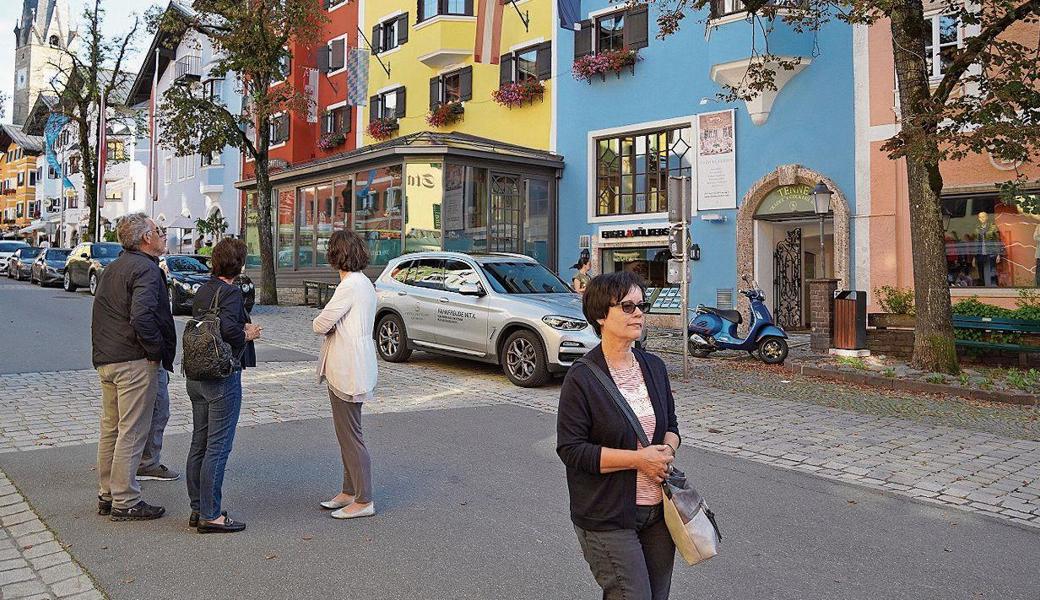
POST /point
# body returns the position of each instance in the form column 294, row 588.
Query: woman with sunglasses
column 613, row 482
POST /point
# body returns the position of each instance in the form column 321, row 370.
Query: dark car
column 49, row 267
column 19, row 266
column 86, row 262
column 185, row 273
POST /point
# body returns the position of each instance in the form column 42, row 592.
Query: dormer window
column 54, row 41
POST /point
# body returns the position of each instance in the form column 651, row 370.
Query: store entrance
column 787, row 256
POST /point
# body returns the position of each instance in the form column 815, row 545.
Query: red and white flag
column 488, row 47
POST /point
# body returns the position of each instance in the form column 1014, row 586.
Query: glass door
column 325, row 216
column 536, row 219
column 306, row 219
column 506, row 213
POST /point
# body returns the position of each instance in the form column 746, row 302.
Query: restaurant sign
column 787, row 200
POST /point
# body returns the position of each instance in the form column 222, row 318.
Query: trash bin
column 850, row 320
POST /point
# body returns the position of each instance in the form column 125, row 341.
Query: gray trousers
column 357, row 466
column 160, row 417
column 632, row 564
column 127, row 405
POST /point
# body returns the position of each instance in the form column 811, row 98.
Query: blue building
column 625, row 127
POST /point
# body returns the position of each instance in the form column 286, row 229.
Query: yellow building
column 18, row 176
column 453, row 55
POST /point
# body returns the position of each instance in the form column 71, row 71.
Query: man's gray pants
column 127, row 404
column 160, row 417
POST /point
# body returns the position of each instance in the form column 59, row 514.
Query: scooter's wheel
column 699, row 351
column 772, row 350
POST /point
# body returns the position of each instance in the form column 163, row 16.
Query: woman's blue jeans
column 215, row 407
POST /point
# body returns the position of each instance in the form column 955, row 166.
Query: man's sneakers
column 142, row 511
column 157, row 473
column 104, row 507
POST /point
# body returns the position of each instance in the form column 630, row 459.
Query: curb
column 921, row 387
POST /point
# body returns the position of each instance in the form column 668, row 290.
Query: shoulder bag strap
column 214, row 307
column 622, row 404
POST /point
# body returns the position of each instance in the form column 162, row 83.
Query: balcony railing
column 721, row 8
column 188, row 69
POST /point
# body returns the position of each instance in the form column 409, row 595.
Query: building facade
column 18, row 177
column 43, row 34
column 635, row 112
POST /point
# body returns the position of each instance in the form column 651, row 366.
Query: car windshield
column 107, row 250
column 11, row 246
column 186, row 264
column 59, row 255
column 31, row 252
column 523, row 277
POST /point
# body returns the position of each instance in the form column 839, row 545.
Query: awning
column 34, row 226
column 181, row 222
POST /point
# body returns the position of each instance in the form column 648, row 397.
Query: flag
column 488, row 46
column 153, row 157
column 357, row 77
column 55, row 124
column 570, row 13
column 102, row 153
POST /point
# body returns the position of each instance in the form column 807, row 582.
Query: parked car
column 185, row 273
column 7, row 249
column 49, row 267
column 19, row 266
column 87, row 262
column 505, row 309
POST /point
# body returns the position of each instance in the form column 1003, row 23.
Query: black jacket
column 233, row 316
column 131, row 318
column 587, row 422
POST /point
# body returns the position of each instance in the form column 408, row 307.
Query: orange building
column 992, row 246
column 18, row 177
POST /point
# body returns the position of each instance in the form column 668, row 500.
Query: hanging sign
column 716, row 161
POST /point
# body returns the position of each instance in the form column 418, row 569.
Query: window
column 946, row 38
column 115, row 150
column 622, row 30
column 632, row 171
column 21, row 179
column 181, row 169
column 337, row 120
column 527, row 64
column 390, row 34
column 32, row 178
column 285, row 66
column 992, row 242
column 388, row 105
column 51, row 173
column 279, row 129
column 73, row 165
column 211, row 89
column 456, row 86
column 330, row 4
column 400, row 272
column 610, row 32
column 433, row 8
column 168, row 169
column 210, row 159
column 427, row 273
column 457, row 274
column 333, row 57
column 54, row 41
column 721, row 8
column 189, row 167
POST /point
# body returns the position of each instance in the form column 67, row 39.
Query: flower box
column 382, row 129
column 446, row 114
column 609, row 61
column 516, row 94
column 330, row 141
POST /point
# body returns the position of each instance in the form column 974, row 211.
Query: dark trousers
column 632, row 564
column 215, row 406
column 160, row 417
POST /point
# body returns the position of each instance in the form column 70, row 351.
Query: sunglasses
column 160, row 231
column 630, row 307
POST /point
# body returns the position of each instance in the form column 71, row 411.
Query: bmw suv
column 504, row 309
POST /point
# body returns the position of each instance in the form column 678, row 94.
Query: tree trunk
column 88, row 167
column 268, row 286
column 934, row 348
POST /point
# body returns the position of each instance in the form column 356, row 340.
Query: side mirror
column 471, row 289
column 84, row 255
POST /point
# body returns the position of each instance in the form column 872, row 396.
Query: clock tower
column 43, row 34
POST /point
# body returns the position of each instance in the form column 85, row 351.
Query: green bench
column 323, row 291
column 998, row 325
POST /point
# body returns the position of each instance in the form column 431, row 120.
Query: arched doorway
column 779, row 241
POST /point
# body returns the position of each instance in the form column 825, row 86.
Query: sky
column 119, row 17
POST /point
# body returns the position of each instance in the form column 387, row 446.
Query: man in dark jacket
column 133, row 337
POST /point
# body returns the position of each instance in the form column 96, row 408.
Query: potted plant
column 586, row 67
column 447, row 113
column 517, row 93
column 382, row 129
column 330, row 141
column 898, row 306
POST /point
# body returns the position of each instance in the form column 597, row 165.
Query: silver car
column 504, row 309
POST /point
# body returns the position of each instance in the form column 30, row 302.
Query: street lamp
column 822, row 200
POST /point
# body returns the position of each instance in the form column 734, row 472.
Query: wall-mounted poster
column 716, row 161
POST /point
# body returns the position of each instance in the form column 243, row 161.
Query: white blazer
column 348, row 354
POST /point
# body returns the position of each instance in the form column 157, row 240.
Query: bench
column 1016, row 327
column 323, row 291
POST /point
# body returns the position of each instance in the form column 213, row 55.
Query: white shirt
column 348, row 354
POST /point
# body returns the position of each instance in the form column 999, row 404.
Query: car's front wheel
column 93, row 281
column 523, row 360
column 392, row 340
column 67, row 283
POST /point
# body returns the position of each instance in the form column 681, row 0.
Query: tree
column 85, row 76
column 987, row 101
column 251, row 40
column 3, row 104
column 215, row 225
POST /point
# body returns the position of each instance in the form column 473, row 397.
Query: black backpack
column 206, row 355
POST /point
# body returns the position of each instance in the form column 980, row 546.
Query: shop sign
column 633, row 232
column 786, row 200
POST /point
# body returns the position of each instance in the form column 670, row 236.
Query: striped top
column 633, row 388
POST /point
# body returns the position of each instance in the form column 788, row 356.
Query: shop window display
column 377, row 211
column 990, row 242
column 649, row 263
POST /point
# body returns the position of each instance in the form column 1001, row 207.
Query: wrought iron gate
column 787, row 281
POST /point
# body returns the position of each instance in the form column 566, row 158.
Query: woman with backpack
column 216, row 402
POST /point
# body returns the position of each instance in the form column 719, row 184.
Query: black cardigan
column 233, row 317
column 588, row 420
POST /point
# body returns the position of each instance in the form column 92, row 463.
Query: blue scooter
column 712, row 329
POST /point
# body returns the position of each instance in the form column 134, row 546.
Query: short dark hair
column 229, row 256
column 606, row 290
column 347, row 251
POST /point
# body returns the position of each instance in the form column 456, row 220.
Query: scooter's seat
column 732, row 316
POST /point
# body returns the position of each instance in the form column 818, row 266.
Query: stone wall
column 899, row 343
column 821, row 301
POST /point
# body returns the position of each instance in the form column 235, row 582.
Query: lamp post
column 822, row 202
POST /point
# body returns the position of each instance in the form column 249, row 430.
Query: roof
column 13, row 133
column 421, row 143
column 41, row 109
column 165, row 43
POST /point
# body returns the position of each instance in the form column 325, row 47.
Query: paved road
column 477, row 510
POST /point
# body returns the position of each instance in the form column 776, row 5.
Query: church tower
column 43, row 32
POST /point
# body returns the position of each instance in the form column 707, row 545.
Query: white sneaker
column 368, row 511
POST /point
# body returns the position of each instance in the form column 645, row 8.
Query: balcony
column 188, row 69
column 444, row 40
column 725, row 8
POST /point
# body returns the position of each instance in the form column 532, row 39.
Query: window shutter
column 328, row 4
column 435, row 92
column 326, row 123
column 469, row 7
column 583, row 39
column 505, row 69
column 466, row 84
column 419, row 16
column 322, row 59
column 336, row 55
column 544, row 61
column 637, row 30
column 402, row 29
column 373, row 108
column 283, row 127
column 346, row 119
column 377, row 39
column 400, row 103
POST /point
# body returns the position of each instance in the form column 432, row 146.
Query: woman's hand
column 253, row 331
column 654, row 461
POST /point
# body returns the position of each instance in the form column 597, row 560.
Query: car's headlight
column 564, row 323
column 247, row 287
column 52, row 270
column 195, row 287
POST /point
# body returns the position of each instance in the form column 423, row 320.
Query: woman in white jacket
column 348, row 365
